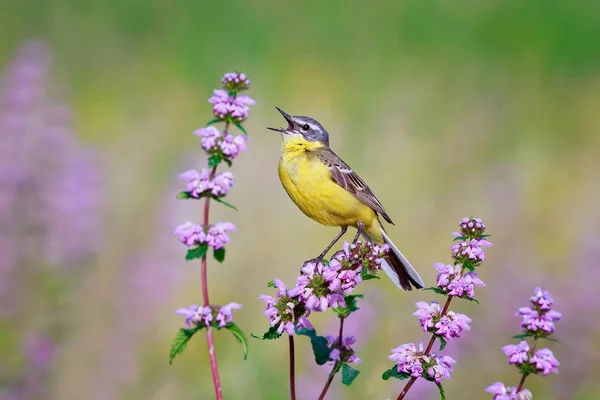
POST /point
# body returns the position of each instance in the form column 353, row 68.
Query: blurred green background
column 446, row 108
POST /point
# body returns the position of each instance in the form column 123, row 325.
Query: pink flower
column 408, row 359
column 538, row 322
column 471, row 250
column 285, row 311
column 225, row 315
column 217, row 234
column 452, row 324
column 545, row 361
column 190, row 234
column 197, row 182
column 210, row 136
column 232, row 146
column 465, row 285
column 542, row 299
column 222, row 183
column 441, row 367
column 427, row 313
column 196, row 315
column 517, row 354
column 501, row 392
column 343, row 352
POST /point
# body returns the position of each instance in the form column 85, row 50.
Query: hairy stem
column 292, row 369
column 333, row 370
column 427, row 351
column 209, row 331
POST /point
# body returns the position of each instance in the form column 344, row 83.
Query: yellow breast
column 308, row 183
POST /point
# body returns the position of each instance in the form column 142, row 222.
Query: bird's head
column 302, row 127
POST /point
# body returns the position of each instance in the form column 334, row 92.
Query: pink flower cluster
column 501, row 392
column 285, row 311
column 542, row 360
column 196, row 315
column 343, row 352
column 538, row 318
column 453, row 280
column 213, row 141
column 448, row 326
column 322, row 286
column 412, row 361
column 235, row 81
column 214, row 236
column 200, row 182
column 229, row 107
column 472, row 249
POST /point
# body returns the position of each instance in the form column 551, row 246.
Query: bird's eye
column 305, row 127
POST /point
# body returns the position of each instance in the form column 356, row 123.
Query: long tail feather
column 397, row 267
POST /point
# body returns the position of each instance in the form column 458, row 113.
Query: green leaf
column 349, row 374
column 227, row 161
column 185, row 196
column 522, row 336
column 393, row 373
column 197, row 252
column 469, row 267
column 272, row 284
column 443, row 342
column 180, row 342
column 468, row 298
column 240, row 336
column 456, row 239
column 442, row 394
column 366, row 277
column 218, row 200
column 319, row 344
column 213, row 121
column 350, row 300
column 219, row 254
column 550, row 339
column 268, row 335
column 214, row 160
column 241, row 128
column 435, row 290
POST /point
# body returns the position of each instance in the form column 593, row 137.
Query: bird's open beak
column 287, row 117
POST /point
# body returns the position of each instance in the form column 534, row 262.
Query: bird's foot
column 315, row 260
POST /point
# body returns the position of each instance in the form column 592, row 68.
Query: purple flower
column 517, row 354
column 544, row 361
column 542, row 299
column 452, row 324
column 210, row 136
column 225, row 315
column 235, row 81
column 408, row 358
column 232, row 146
column 222, row 183
column 195, row 315
column 446, row 274
column 470, row 227
column 465, row 285
column 227, row 107
column 501, row 392
column 197, row 182
column 286, row 311
column 536, row 322
column 471, row 250
column 427, row 313
column 216, row 235
column 190, row 234
column 343, row 352
column 439, row 367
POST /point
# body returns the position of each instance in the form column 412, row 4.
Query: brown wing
column 343, row 175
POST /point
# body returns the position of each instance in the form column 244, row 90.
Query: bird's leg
column 324, row 253
column 359, row 229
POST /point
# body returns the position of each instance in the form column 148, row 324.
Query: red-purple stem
column 333, row 371
column 210, row 340
column 292, row 369
column 427, row 351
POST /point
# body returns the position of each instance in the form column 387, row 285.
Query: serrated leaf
column 442, row 394
column 435, row 290
column 185, row 196
column 181, row 340
column 213, row 121
column 349, row 374
column 197, row 252
column 219, row 200
column 319, row 344
column 241, row 128
column 443, row 343
column 522, row 336
column 393, row 373
column 219, row 254
column 214, row 160
column 271, row 334
column 239, row 335
column 351, row 306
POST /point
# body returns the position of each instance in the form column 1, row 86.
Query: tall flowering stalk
column 229, row 108
column 457, row 280
column 537, row 322
column 322, row 286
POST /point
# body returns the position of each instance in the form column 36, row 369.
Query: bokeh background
column 446, row 108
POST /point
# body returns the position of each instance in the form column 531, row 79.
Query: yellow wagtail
column 327, row 190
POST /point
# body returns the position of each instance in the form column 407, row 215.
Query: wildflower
column 235, row 81
column 545, row 362
column 228, row 107
column 216, row 235
column 213, row 235
column 426, row 313
column 464, row 285
column 343, row 352
column 470, row 250
column 232, row 146
column 222, row 183
column 209, row 137
column 470, row 227
column 196, row 315
column 439, row 367
column 538, row 322
column 517, row 354
column 446, row 274
column 225, row 315
column 542, row 299
column 197, row 182
column 452, row 324
column 190, row 234
column 501, row 392
column 285, row 310
column 408, row 359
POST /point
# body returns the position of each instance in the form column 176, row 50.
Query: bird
column 328, row 191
